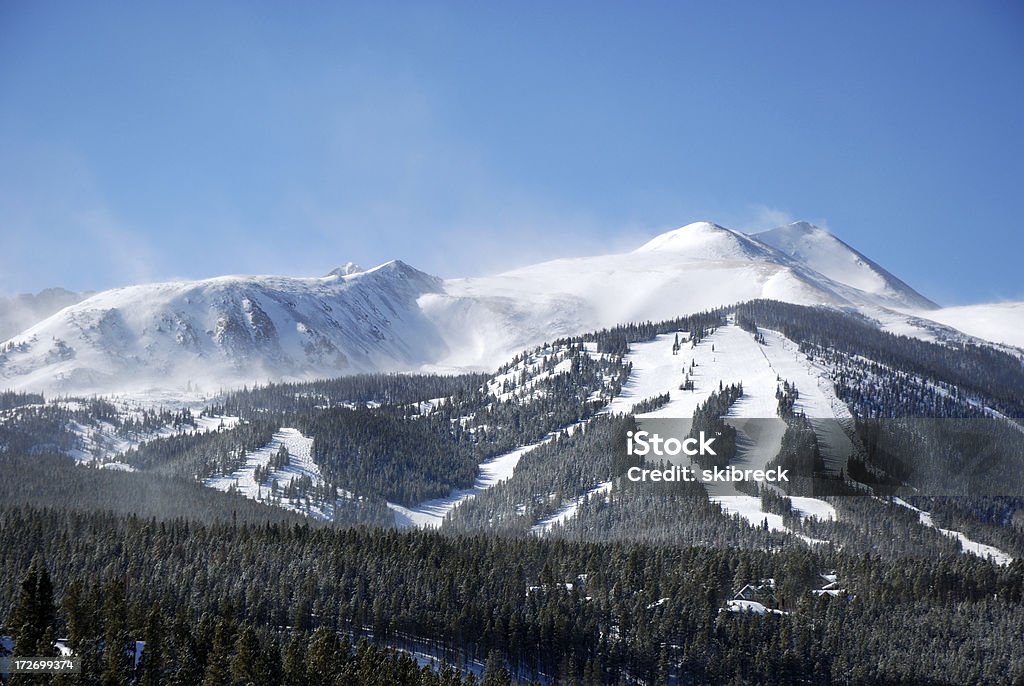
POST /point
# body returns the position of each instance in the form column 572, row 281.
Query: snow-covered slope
column 822, row 252
column 693, row 268
column 229, row 330
column 283, row 485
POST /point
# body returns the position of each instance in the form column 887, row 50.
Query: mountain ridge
column 233, row 330
column 819, row 249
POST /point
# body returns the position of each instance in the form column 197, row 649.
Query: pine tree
column 294, row 662
column 32, row 619
column 117, row 660
column 495, row 673
column 151, row 666
column 323, row 658
column 85, row 633
column 248, row 667
column 188, row 669
column 218, row 668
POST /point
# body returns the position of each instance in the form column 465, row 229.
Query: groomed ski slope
column 731, row 355
column 300, row 463
column 568, row 511
column 966, row 545
column 828, row 414
column 431, row 513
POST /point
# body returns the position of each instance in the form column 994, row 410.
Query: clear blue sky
column 144, row 141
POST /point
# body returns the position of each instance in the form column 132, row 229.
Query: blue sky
column 145, row 141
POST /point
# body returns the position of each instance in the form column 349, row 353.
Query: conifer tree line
column 617, row 339
column 11, row 399
column 358, row 389
column 226, row 603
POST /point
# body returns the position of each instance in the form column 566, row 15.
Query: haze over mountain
column 242, row 329
column 19, row 312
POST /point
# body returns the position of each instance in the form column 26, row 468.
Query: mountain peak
column 796, row 230
column 805, row 227
column 346, row 269
column 686, row 237
column 826, row 254
column 705, row 240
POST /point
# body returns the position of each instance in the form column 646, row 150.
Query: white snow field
column 997, row 322
column 966, row 545
column 729, row 355
column 300, row 464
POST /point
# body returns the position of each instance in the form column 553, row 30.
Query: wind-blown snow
column 228, row 331
column 697, row 267
column 824, row 253
column 999, row 323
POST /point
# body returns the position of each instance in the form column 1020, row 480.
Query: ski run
column 300, row 466
column 967, row 545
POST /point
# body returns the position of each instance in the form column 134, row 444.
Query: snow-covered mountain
column 819, row 250
column 232, row 330
column 228, row 331
column 696, row 267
